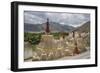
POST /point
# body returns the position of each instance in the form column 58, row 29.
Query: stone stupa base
column 47, row 42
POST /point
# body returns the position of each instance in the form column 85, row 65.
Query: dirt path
column 85, row 55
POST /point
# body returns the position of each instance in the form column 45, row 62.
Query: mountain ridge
column 84, row 28
column 54, row 27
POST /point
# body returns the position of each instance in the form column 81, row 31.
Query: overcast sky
column 72, row 19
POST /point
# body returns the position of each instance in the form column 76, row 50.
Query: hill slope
column 84, row 28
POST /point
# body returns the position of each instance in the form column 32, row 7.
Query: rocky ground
column 85, row 55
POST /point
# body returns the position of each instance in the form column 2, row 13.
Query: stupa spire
column 47, row 30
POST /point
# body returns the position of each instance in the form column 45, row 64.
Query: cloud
column 73, row 19
column 32, row 18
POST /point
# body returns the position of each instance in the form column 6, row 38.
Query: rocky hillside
column 84, row 28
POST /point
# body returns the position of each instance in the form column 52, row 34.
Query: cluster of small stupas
column 50, row 47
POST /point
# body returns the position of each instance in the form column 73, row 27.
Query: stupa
column 47, row 40
column 76, row 49
column 47, row 28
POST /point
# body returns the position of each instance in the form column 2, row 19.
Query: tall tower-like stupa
column 47, row 28
column 47, row 40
